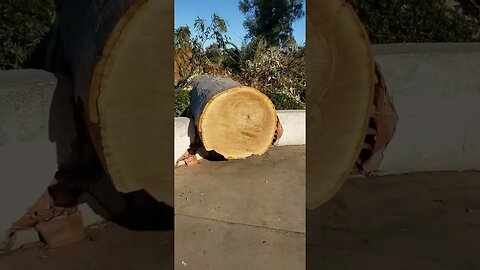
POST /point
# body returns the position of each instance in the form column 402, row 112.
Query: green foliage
column 213, row 31
column 214, row 53
column 181, row 101
column 399, row 21
column 469, row 8
column 182, row 37
column 271, row 20
column 190, row 52
column 279, row 69
column 279, row 72
column 23, row 24
column 284, row 101
column 183, row 49
column 249, row 49
column 231, row 59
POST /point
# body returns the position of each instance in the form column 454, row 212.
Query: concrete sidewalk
column 419, row 221
column 242, row 214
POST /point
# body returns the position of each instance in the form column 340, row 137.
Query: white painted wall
column 28, row 158
column 436, row 92
column 184, row 132
column 294, row 127
column 36, row 130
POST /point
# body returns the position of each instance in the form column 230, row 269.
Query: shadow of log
column 143, row 212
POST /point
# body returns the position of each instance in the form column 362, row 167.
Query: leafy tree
column 232, row 59
column 275, row 69
column 181, row 101
column 469, row 8
column 182, row 37
column 214, row 31
column 191, row 51
column 183, row 49
column 23, row 25
column 399, row 21
column 214, row 53
column 271, row 19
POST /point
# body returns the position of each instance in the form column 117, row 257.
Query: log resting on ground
column 233, row 120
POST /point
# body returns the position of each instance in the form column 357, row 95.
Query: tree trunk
column 119, row 54
column 233, row 120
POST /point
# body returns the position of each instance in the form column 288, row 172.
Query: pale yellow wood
column 107, row 49
column 119, row 55
column 130, row 107
column 340, row 76
column 238, row 122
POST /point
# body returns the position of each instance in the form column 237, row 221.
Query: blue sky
column 186, row 11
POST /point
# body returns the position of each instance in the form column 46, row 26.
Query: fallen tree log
column 233, row 120
column 340, row 75
column 119, row 54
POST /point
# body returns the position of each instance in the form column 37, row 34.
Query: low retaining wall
column 37, row 128
column 436, row 92
column 28, row 158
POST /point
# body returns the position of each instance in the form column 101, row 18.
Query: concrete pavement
column 418, row 221
column 242, row 214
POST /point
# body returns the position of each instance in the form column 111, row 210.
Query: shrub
column 284, row 101
column 214, row 54
column 181, row 101
column 23, row 25
column 275, row 69
column 190, row 52
column 231, row 60
column 399, row 21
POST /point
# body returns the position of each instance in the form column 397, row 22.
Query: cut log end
column 238, row 123
column 342, row 72
column 118, row 61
